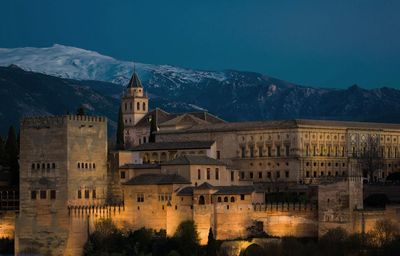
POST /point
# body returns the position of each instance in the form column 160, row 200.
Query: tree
column 188, row 238
column 120, row 130
column 153, row 128
column 2, row 152
column 80, row 111
column 370, row 158
column 211, row 244
column 11, row 151
column 384, row 232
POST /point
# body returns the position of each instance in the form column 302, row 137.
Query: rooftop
column 173, row 145
column 194, row 160
column 157, row 179
column 140, row 166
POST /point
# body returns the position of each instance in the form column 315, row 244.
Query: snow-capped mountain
column 231, row 95
column 75, row 63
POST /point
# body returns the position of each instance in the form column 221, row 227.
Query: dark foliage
column 120, row 130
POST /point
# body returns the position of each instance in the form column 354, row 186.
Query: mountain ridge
column 230, row 94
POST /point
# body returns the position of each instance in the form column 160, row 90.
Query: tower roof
column 135, row 81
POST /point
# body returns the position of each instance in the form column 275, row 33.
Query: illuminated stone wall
column 7, row 224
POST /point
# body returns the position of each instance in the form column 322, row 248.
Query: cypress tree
column 11, row 150
column 211, row 244
column 120, row 130
column 80, row 111
column 153, row 128
column 2, row 153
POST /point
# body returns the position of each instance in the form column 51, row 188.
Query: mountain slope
column 232, row 95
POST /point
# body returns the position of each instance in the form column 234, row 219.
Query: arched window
column 219, row 199
column 37, row 166
column 130, row 105
column 126, row 106
column 232, row 199
column 144, row 106
column 43, row 166
column 79, row 165
column 138, row 106
column 86, row 165
column 94, row 166
column 33, row 166
column 201, row 200
column 48, row 165
column 53, row 166
column 226, row 199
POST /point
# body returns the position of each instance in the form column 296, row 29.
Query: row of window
column 38, row 166
column 81, row 165
column 328, row 164
column 137, row 106
column 322, row 174
column 164, row 197
column 324, row 151
column 383, row 152
column 43, row 194
column 208, row 174
column 260, row 175
column 263, row 153
column 86, row 194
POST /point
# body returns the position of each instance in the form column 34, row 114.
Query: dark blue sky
column 321, row 43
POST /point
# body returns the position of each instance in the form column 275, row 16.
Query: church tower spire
column 134, row 106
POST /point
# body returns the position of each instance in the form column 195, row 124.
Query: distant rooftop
column 194, row 160
column 173, row 145
column 157, row 179
column 221, row 190
column 283, row 124
column 140, row 166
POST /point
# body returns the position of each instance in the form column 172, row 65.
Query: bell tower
column 134, row 106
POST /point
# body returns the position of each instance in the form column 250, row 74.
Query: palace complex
column 290, row 177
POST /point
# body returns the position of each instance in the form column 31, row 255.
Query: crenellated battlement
column 285, row 207
column 58, row 121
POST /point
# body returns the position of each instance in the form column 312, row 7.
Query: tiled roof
column 194, row 160
column 173, row 145
column 140, row 166
column 157, row 114
column 282, row 124
column 157, row 179
column 184, row 119
column 234, row 190
column 205, row 185
column 221, row 190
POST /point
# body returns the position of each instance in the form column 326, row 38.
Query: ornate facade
column 296, row 177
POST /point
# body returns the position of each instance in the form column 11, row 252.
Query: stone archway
column 253, row 250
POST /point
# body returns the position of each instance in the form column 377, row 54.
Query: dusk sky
column 317, row 43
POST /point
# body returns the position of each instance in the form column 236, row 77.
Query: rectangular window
column 307, row 150
column 140, row 197
column 287, row 150
column 33, row 195
column 260, row 151
column 216, row 173
column 243, row 152
column 252, row 151
column 199, row 174
column 242, row 197
column 52, row 194
column 269, row 151
column 232, row 175
column 94, row 193
column 208, row 173
column 287, row 174
column 43, row 194
column 260, row 175
column 307, row 174
column 218, row 154
column 314, row 150
column 79, row 194
column 242, row 175
column 251, row 175
column 269, row 175
column 278, row 174
column 86, row 193
column 322, row 150
column 122, row 174
column 278, row 150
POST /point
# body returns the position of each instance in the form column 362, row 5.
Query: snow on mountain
column 75, row 63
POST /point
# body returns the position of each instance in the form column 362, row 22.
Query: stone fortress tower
column 134, row 106
column 63, row 165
